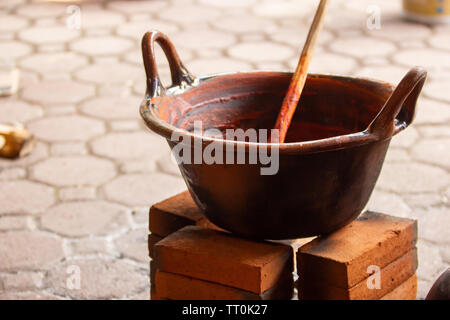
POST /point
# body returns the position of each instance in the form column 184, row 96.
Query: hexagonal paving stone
column 47, row 35
column 345, row 23
column 229, row 3
column 101, row 278
column 296, row 35
column 406, row 138
column 68, row 148
column 143, row 189
column 400, row 30
column 107, row 73
column 28, row 296
column 362, row 46
column 282, row 9
column 268, row 65
column 28, row 250
column 217, row 65
column 137, row 6
column 87, row 218
column 9, row 223
column 438, row 90
column 412, row 177
column 430, row 261
column 12, row 174
column 433, row 151
column 125, row 125
column 426, row 57
column 100, row 19
column 107, row 45
column 434, row 131
column 389, row 203
column 397, row 155
column 432, row 112
column 90, row 246
column 42, row 10
column 66, row 128
column 12, row 23
column 13, row 49
column 134, row 244
column 28, row 78
column 23, row 281
column 137, row 29
column 77, row 193
column 244, row 24
column 12, row 110
column 60, row 62
column 138, row 165
column 57, row 92
column 433, row 223
column 358, row 6
column 328, row 63
column 121, row 107
column 25, row 197
column 261, row 51
column 8, row 4
column 391, row 74
column 203, row 39
column 144, row 295
column 140, row 216
column 440, row 41
column 188, row 13
column 73, row 171
column 424, row 200
column 130, row 145
column 445, row 253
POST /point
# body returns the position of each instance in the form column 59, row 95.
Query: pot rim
column 167, row 130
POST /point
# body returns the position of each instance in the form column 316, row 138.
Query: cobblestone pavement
column 81, row 198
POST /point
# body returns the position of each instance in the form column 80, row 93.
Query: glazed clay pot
column 328, row 167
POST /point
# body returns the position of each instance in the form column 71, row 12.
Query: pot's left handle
column 180, row 75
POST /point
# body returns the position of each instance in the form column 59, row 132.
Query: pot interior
column 329, row 105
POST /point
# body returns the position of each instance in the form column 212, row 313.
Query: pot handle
column 180, row 75
column 401, row 105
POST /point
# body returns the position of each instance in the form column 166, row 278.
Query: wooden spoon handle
column 298, row 80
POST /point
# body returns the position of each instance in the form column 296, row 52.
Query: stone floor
column 78, row 204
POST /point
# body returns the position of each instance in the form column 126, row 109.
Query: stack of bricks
column 372, row 258
column 193, row 259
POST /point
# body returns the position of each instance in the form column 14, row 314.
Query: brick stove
column 374, row 257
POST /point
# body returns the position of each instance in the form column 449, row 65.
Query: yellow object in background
column 428, row 11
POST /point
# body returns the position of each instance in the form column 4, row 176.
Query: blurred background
column 72, row 74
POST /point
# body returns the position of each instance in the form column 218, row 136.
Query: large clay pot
column 328, row 168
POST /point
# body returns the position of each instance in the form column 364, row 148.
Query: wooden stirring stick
column 298, row 80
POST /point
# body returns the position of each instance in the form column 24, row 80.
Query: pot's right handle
column 401, row 105
column 178, row 71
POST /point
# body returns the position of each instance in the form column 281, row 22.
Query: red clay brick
column 152, row 240
column 174, row 213
column 341, row 258
column 393, row 275
column 219, row 257
column 176, row 287
column 153, row 269
column 406, row 291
